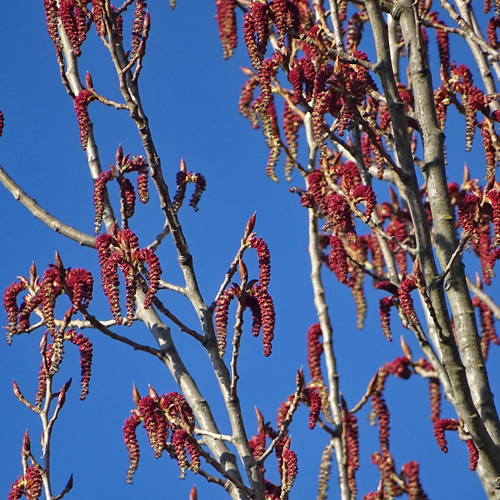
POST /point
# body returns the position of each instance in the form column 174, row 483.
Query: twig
column 464, row 240
column 238, row 332
column 218, row 467
column 284, row 426
column 160, row 306
column 109, row 102
column 174, row 288
column 67, row 489
column 466, row 31
column 213, row 435
column 484, row 297
column 157, row 241
column 138, row 347
column 41, row 214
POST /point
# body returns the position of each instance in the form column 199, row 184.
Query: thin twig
column 41, row 214
column 161, row 307
column 213, row 435
column 463, row 242
column 138, row 347
column 484, row 297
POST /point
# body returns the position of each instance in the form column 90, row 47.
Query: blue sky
column 190, row 95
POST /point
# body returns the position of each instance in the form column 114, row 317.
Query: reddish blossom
column 178, row 411
column 246, row 98
column 73, row 21
column 86, row 354
column 130, row 438
column 317, row 187
column 441, row 425
column 385, row 313
column 99, row 192
column 226, row 21
column 364, row 194
column 10, row 306
column 127, row 198
column 98, row 16
column 314, row 352
column 200, row 186
column 291, row 124
column 155, row 423
column 179, row 440
column 142, row 185
column 221, row 318
column 397, row 229
column 268, row 315
column 108, row 263
column 406, row 287
column 52, row 15
column 50, row 288
column 313, row 400
column 148, row 256
column 339, row 214
column 467, row 214
column 473, row 454
column 264, row 259
column 81, row 284
column 415, row 491
column 487, row 321
column 258, row 445
column 493, row 197
column 290, row 469
column 138, row 25
column 337, row 260
column 82, row 100
column 491, row 31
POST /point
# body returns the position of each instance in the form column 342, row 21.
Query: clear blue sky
column 190, row 95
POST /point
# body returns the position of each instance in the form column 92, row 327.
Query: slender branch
column 458, row 251
column 213, row 435
column 284, row 426
column 331, row 362
column 41, row 214
column 161, row 307
column 136, row 346
column 484, row 297
column 238, row 332
column 174, row 288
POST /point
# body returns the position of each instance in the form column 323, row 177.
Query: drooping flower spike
column 226, row 21
column 124, row 252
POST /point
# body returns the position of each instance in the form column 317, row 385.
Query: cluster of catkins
column 254, row 297
column 169, row 423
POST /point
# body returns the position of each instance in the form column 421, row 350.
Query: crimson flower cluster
column 487, row 322
column 400, row 298
column 478, row 215
column 76, row 283
column 82, row 100
column 255, row 297
column 314, row 352
column 52, row 355
column 141, row 20
column 286, row 457
column 169, row 423
column 183, row 179
column 28, row 485
column 121, row 250
column 124, row 165
column 226, row 20
column 73, row 17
